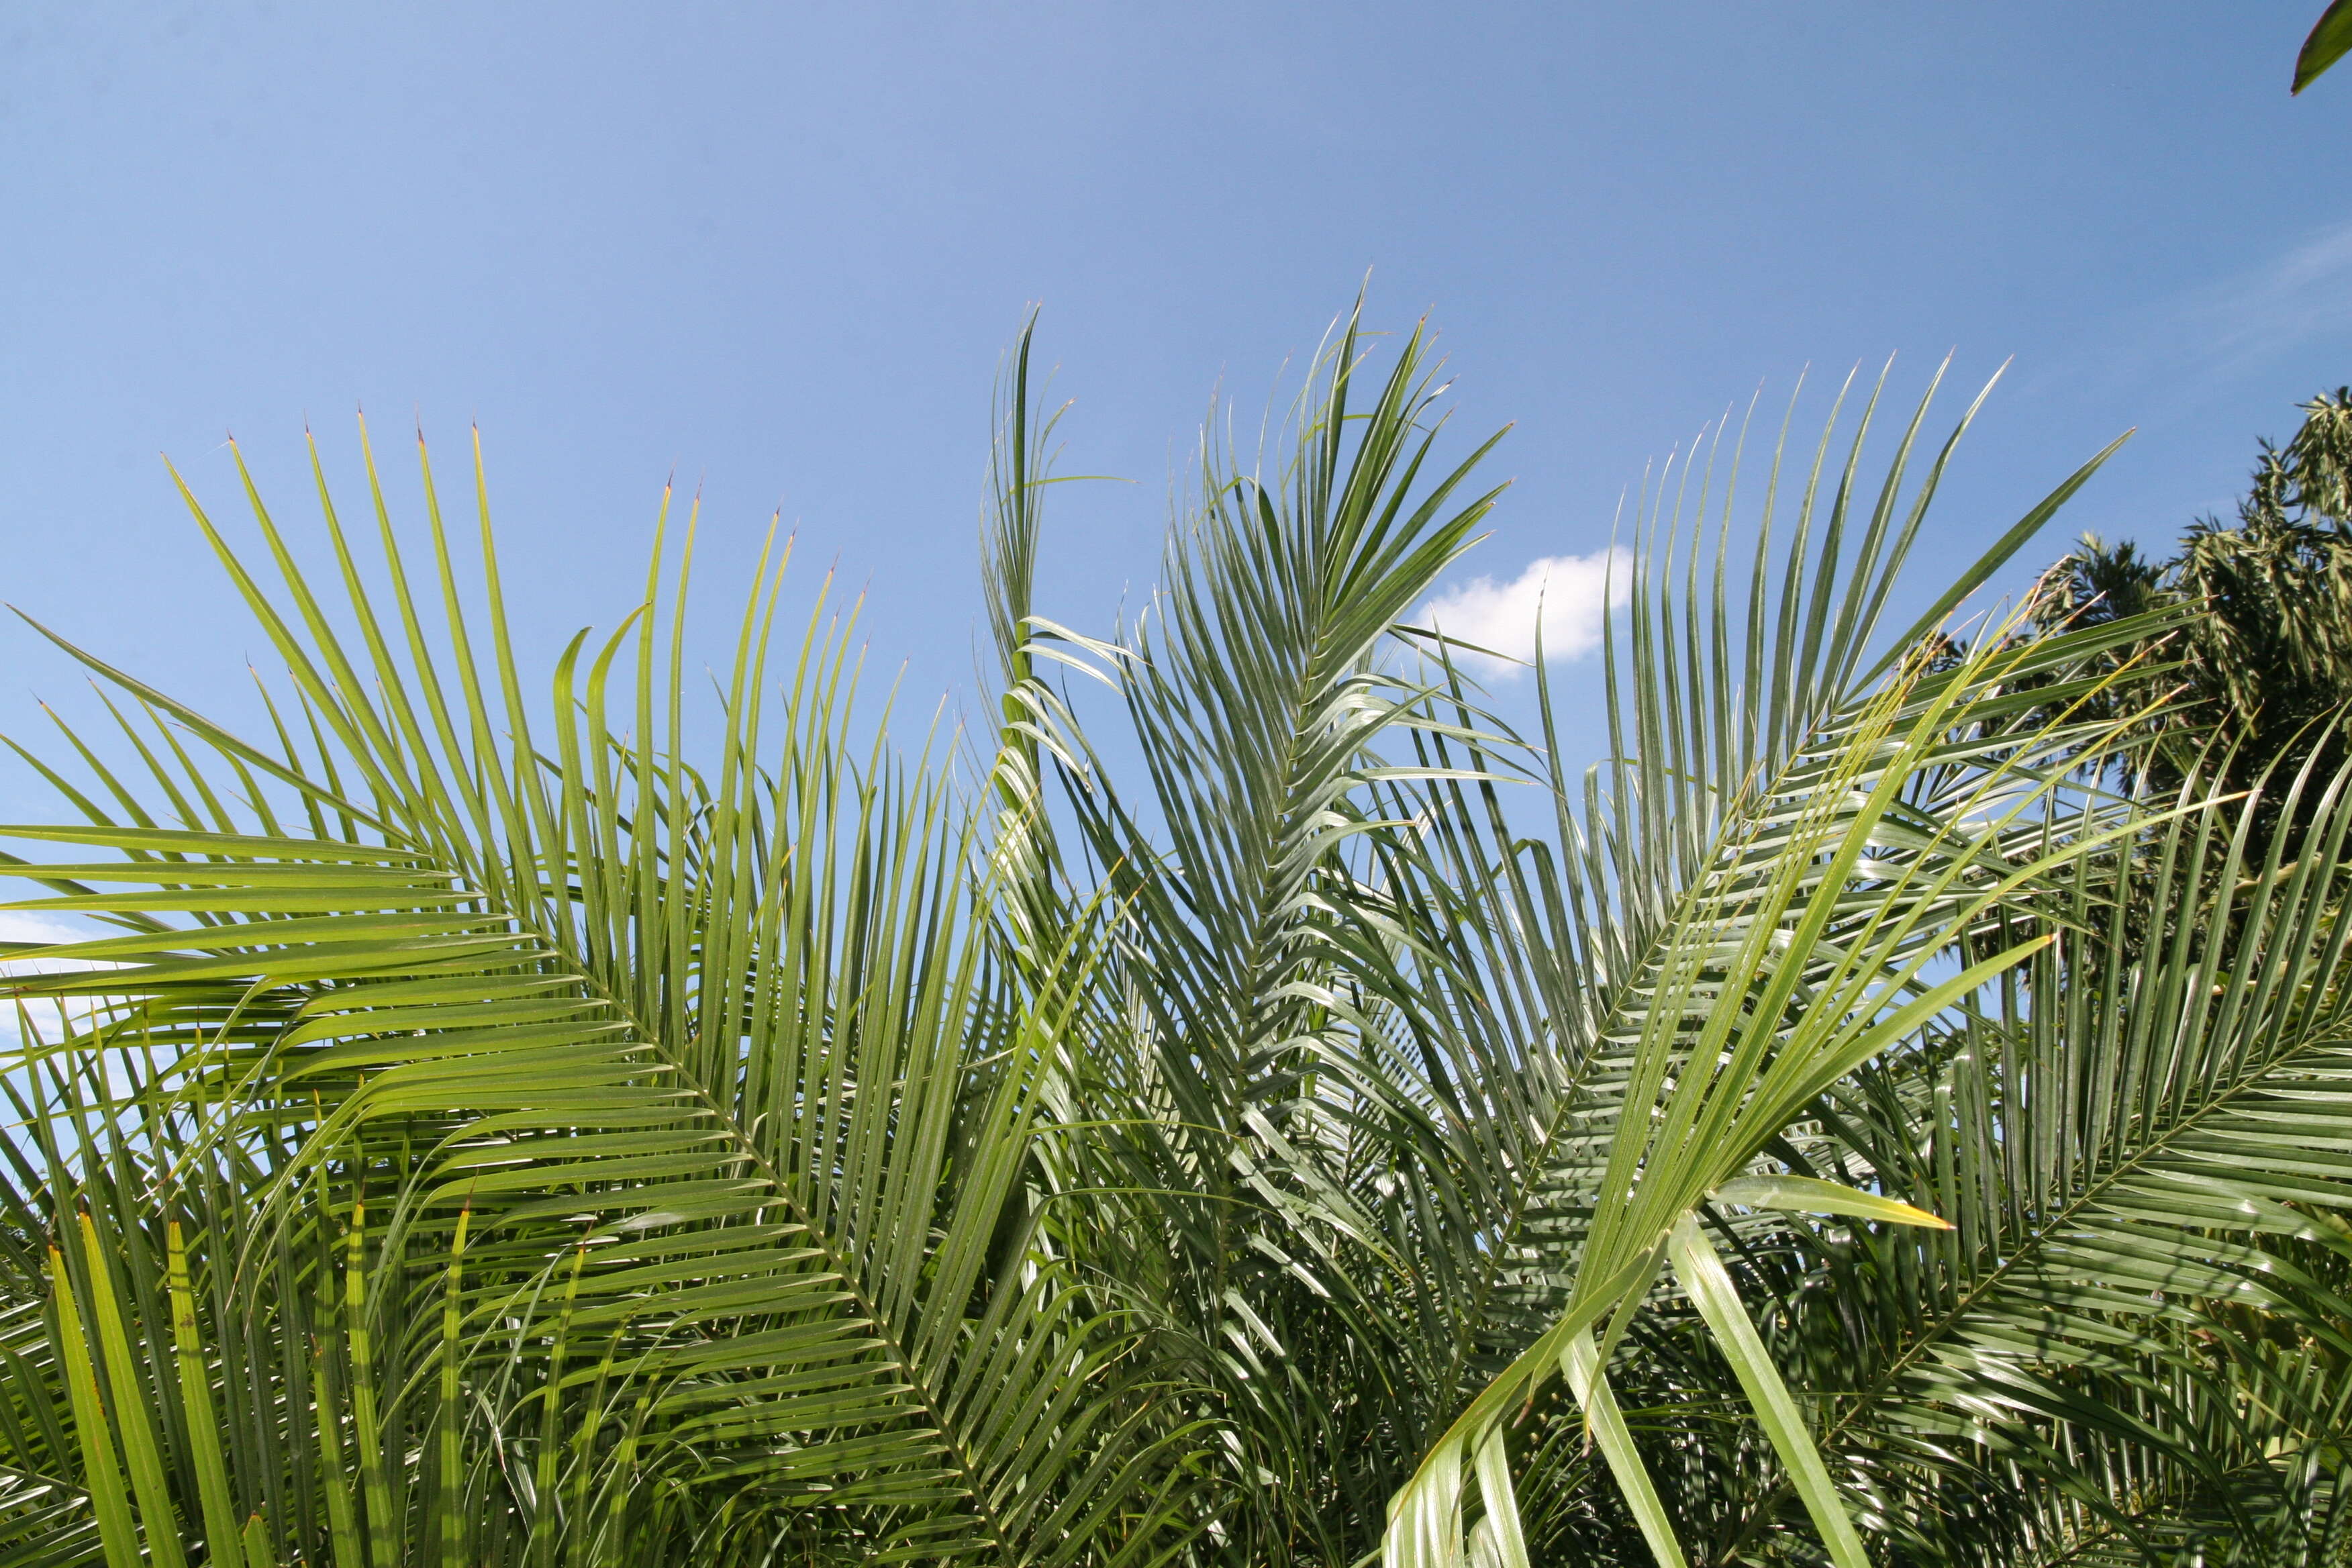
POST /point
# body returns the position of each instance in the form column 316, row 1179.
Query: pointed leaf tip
column 2330, row 40
column 1806, row 1196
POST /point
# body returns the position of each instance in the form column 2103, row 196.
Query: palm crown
column 1837, row 1127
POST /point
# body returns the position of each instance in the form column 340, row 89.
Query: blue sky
column 778, row 248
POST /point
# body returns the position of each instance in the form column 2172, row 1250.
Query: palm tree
column 1282, row 1150
column 2265, row 663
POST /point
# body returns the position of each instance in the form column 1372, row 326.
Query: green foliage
column 2330, row 40
column 578, row 1153
column 1835, row 1128
column 2263, row 664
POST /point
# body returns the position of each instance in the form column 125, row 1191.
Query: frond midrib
column 748, row 1149
column 1859, row 1403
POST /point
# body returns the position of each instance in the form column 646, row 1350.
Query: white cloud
column 49, row 1016
column 20, row 925
column 2162, row 360
column 2304, row 293
column 1567, row 591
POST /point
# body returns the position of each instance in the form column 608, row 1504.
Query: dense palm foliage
column 1249, row 1106
column 2264, row 661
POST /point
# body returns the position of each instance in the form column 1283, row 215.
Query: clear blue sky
column 779, row 247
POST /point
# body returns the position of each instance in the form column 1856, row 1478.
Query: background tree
column 2263, row 664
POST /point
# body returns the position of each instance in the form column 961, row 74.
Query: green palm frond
column 1795, row 835
column 1245, row 1103
column 1261, row 689
column 2134, row 1137
column 563, row 1038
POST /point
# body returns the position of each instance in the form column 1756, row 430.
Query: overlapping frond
column 706, row 1068
column 2141, row 1143
column 1767, row 880
column 1851, row 1123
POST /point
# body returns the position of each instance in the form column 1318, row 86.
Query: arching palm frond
column 2141, row 1142
column 1797, row 836
column 629, row 1145
column 1261, row 1110
column 1262, row 694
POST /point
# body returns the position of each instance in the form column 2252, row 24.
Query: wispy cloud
column 52, row 1018
column 2287, row 301
column 2162, row 358
column 18, row 925
column 1572, row 594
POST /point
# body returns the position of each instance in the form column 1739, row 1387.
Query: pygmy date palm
column 1248, row 1103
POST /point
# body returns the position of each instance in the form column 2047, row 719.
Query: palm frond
column 533, row 1041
